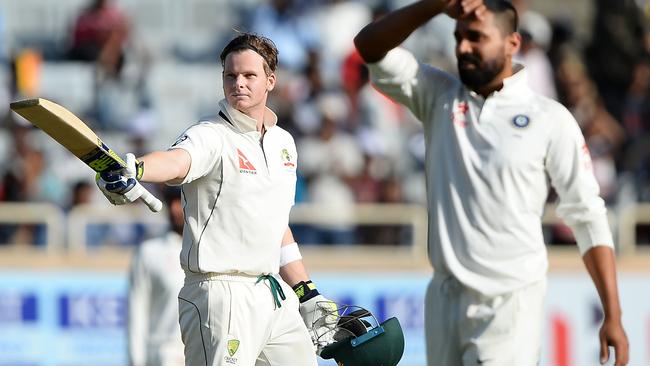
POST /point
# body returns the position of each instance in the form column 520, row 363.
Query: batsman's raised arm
column 388, row 32
column 123, row 186
column 169, row 166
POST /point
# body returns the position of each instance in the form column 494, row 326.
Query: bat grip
column 151, row 201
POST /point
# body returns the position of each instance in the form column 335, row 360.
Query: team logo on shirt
column 458, row 114
column 232, row 346
column 286, row 158
column 245, row 166
column 521, row 121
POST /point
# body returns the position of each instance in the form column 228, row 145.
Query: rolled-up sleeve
column 570, row 169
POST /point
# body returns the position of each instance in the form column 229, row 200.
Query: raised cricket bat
column 69, row 131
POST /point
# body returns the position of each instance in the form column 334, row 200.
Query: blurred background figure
column 155, row 278
column 536, row 34
column 289, row 24
column 328, row 161
column 99, row 35
column 618, row 43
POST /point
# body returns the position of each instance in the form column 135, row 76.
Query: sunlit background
column 360, row 213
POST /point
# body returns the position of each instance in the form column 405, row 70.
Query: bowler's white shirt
column 489, row 166
column 237, row 194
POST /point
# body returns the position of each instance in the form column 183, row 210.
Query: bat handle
column 151, row 201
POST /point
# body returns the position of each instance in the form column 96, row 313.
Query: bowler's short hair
column 505, row 15
column 260, row 44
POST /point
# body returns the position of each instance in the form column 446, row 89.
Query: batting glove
column 122, row 186
column 319, row 314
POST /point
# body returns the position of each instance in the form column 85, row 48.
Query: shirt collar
column 513, row 84
column 245, row 123
column 517, row 80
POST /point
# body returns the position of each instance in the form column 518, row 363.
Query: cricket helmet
column 360, row 340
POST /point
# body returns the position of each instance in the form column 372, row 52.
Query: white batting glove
column 319, row 314
column 122, row 186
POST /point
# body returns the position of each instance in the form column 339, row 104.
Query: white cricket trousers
column 464, row 327
column 231, row 320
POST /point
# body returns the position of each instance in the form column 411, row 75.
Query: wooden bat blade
column 69, row 131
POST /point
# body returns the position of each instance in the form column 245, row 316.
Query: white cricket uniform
column 155, row 278
column 237, row 196
column 489, row 165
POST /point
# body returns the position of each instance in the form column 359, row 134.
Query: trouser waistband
column 191, row 277
column 273, row 283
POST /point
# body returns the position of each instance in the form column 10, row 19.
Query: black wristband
column 305, row 290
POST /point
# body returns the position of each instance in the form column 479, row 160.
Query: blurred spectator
column 328, row 161
column 636, row 110
column 99, row 34
column 336, row 41
column 83, row 193
column 603, row 134
column 374, row 185
column 290, row 27
column 27, row 179
column 536, row 36
column 308, row 89
column 636, row 116
column 617, row 45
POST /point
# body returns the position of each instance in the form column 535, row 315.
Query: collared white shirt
column 237, row 194
column 489, row 166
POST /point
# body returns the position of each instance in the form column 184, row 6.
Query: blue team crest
column 521, row 121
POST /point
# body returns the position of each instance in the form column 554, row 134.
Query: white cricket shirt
column 489, row 166
column 237, row 194
column 155, row 278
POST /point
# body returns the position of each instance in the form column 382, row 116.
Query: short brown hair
column 260, row 44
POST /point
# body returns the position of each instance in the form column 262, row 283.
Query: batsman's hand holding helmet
column 360, row 340
column 319, row 314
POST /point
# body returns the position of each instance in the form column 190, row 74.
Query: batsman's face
column 482, row 50
column 245, row 84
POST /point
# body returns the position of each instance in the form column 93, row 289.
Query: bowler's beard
column 482, row 74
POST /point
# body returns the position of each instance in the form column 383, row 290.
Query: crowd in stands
column 355, row 145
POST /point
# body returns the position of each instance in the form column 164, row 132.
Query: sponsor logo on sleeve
column 286, row 159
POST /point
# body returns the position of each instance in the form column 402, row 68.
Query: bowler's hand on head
column 458, row 9
column 612, row 334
